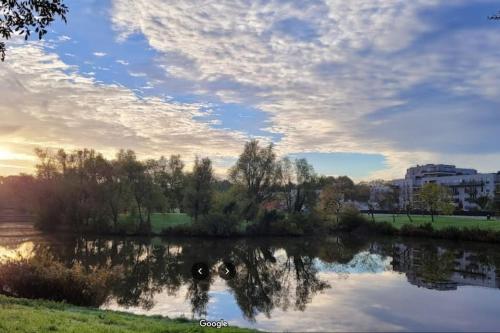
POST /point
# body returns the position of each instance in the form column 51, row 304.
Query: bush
column 41, row 277
column 351, row 218
column 217, row 224
column 384, row 228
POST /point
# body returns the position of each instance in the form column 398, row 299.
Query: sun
column 6, row 154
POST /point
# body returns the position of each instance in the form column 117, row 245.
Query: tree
column 304, row 175
column 171, row 179
column 331, row 200
column 116, row 189
column 435, row 198
column 141, row 186
column 23, row 17
column 296, row 181
column 285, row 178
column 483, row 202
column 198, row 194
column 386, row 198
column 393, row 201
column 361, row 192
column 255, row 172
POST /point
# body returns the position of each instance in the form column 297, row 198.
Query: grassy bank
column 183, row 224
column 159, row 221
column 21, row 315
column 440, row 222
column 455, row 231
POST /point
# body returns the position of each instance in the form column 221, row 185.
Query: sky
column 364, row 88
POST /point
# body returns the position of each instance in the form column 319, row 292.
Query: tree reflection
column 268, row 276
column 271, row 274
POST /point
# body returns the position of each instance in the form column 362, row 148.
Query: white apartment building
column 466, row 185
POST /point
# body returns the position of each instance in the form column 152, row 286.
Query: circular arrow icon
column 227, row 271
column 200, row 271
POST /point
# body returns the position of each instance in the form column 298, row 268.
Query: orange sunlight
column 25, row 250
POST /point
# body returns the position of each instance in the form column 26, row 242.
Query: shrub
column 425, row 230
column 217, row 224
column 41, row 277
column 385, row 228
column 351, row 218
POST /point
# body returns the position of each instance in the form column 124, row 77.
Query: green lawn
column 441, row 222
column 21, row 315
column 160, row 221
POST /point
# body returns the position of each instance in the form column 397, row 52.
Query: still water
column 332, row 284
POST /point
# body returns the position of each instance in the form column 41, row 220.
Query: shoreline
column 48, row 316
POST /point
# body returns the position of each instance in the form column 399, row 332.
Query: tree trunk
column 409, row 216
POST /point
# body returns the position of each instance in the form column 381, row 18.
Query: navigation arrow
column 200, row 271
column 227, row 271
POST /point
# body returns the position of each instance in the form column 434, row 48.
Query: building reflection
column 439, row 268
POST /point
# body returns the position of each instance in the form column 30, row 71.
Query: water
column 331, row 284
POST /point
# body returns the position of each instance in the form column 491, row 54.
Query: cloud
column 47, row 103
column 122, row 62
column 324, row 70
column 100, row 54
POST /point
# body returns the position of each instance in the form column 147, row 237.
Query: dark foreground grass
column 21, row 315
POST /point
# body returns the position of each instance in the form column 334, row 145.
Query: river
column 339, row 283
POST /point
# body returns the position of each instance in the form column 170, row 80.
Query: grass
column 441, row 222
column 22, row 315
column 160, row 221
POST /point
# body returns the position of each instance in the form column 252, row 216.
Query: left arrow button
column 200, row 271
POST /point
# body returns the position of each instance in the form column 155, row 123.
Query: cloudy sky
column 364, row 88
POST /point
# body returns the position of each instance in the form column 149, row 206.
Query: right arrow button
column 227, row 271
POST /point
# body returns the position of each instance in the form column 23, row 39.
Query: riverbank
column 429, row 230
column 22, row 315
column 440, row 221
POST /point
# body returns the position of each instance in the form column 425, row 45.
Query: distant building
column 466, row 185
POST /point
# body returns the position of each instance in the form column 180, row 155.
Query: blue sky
column 365, row 88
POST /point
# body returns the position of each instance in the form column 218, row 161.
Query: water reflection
column 440, row 268
column 269, row 275
column 278, row 276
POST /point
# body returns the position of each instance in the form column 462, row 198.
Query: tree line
column 83, row 190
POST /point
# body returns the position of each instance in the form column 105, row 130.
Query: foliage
column 297, row 183
column 17, row 192
column 217, row 224
column 43, row 277
column 350, row 218
column 436, row 198
column 296, row 224
column 255, row 172
column 331, row 200
column 22, row 17
column 170, row 177
column 198, row 193
column 82, row 190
